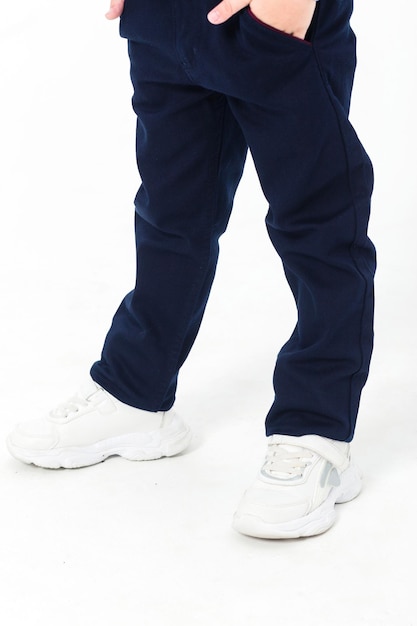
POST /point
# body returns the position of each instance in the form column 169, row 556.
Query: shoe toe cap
column 272, row 505
column 34, row 435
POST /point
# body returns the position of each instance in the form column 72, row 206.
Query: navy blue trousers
column 203, row 94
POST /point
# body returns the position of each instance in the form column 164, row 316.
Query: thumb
column 116, row 9
column 223, row 11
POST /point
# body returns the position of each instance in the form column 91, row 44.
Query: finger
column 116, row 9
column 223, row 11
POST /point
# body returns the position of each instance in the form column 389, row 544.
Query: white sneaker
column 296, row 490
column 94, row 425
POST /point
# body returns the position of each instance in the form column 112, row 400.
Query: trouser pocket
column 306, row 39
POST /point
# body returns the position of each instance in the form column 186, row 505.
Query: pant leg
column 190, row 154
column 318, row 180
column 291, row 99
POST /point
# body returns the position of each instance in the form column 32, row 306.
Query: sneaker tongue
column 89, row 388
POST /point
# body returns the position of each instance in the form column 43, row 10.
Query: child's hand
column 116, row 9
column 291, row 16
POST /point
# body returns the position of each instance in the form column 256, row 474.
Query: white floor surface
column 151, row 543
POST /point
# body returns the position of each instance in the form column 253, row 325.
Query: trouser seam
column 331, row 96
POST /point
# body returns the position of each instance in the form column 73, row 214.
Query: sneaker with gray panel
column 295, row 493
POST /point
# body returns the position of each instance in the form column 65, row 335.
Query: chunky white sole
column 315, row 523
column 134, row 447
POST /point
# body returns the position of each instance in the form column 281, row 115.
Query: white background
column 151, row 543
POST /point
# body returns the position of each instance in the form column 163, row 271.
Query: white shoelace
column 71, row 406
column 286, row 462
